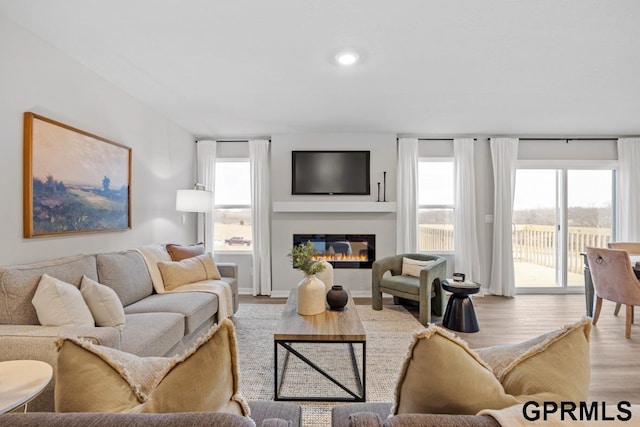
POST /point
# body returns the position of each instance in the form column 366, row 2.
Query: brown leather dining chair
column 614, row 280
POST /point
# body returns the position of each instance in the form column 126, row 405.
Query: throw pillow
column 180, row 252
column 93, row 378
column 441, row 375
column 103, row 302
column 412, row 267
column 58, row 303
column 190, row 270
column 554, row 366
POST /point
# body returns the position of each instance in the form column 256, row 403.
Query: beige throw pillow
column 412, row 267
column 93, row 378
column 103, row 302
column 554, row 366
column 190, row 270
column 442, row 375
column 58, row 303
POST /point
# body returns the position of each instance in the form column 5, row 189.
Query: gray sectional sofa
column 263, row 414
column 156, row 324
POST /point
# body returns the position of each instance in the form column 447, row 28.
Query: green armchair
column 426, row 289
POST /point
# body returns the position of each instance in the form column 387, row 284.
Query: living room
column 561, row 78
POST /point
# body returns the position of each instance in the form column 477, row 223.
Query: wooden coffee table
column 339, row 327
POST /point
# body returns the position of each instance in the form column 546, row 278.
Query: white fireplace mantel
column 330, row 206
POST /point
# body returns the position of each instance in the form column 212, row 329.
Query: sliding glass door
column 556, row 214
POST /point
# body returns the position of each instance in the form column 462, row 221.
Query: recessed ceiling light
column 347, row 58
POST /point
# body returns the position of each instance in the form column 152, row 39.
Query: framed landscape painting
column 74, row 182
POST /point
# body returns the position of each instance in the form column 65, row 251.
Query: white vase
column 326, row 275
column 311, row 296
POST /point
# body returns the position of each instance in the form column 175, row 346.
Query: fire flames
column 339, row 257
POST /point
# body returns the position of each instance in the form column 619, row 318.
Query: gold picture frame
column 74, row 182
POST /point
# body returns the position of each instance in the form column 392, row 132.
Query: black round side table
column 460, row 314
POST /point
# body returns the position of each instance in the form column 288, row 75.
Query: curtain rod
column 435, row 139
column 604, row 138
column 229, row 140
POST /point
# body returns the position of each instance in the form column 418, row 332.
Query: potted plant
column 311, row 290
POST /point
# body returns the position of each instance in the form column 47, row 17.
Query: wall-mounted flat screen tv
column 330, row 172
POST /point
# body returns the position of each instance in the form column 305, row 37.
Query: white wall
column 284, row 225
column 36, row 77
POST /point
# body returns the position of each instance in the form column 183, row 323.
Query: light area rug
column 389, row 333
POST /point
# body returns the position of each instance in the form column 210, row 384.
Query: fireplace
column 342, row 250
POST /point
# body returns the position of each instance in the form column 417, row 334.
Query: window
column 232, row 230
column 557, row 212
column 435, row 204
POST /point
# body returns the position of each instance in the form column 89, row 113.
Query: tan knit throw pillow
column 190, row 270
column 93, row 378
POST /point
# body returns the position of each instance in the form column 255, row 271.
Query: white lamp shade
column 194, row 201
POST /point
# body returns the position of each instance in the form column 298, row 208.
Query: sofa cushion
column 103, row 302
column 458, row 381
column 18, row 285
column 126, row 273
column 189, row 270
column 205, row 378
column 412, row 267
column 60, row 304
column 180, row 252
column 153, row 254
column 152, row 334
column 196, row 307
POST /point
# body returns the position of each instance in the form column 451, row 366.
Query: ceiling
column 428, row 67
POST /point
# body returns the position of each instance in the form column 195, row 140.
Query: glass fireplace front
column 342, row 250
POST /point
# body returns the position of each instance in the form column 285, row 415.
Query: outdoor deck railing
column 535, row 244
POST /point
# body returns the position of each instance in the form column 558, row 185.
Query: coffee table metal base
column 360, row 379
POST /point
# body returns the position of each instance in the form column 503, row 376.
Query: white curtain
column 260, row 216
column 206, row 172
column 504, row 154
column 407, row 204
column 629, row 178
column 467, row 257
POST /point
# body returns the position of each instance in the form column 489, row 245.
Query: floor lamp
column 195, row 200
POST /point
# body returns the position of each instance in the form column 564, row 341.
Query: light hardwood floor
column 615, row 360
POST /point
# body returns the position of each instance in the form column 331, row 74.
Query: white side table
column 21, row 381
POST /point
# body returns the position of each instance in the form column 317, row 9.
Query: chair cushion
column 205, row 378
column 442, row 375
column 407, row 284
column 196, row 307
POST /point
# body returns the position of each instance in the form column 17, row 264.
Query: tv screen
column 330, row 172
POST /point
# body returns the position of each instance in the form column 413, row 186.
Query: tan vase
column 326, row 275
column 311, row 296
